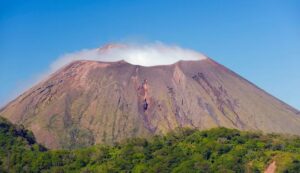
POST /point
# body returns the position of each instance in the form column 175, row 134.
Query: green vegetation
column 185, row 150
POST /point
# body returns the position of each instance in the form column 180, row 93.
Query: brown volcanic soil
column 90, row 102
column 271, row 168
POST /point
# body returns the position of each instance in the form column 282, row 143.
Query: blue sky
column 260, row 40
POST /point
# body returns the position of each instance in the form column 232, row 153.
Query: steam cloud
column 137, row 54
column 144, row 55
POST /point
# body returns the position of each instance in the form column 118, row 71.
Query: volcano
column 92, row 102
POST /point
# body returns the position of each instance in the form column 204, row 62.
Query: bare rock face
column 90, row 102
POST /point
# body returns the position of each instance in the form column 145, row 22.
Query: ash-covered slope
column 90, row 102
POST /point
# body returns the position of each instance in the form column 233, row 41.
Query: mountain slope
column 90, row 102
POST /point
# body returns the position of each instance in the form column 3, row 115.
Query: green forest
column 184, row 150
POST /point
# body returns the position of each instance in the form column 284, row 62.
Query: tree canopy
column 183, row 150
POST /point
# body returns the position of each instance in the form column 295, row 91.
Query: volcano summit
column 90, row 101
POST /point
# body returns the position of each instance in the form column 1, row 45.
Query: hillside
column 14, row 141
column 92, row 102
column 185, row 150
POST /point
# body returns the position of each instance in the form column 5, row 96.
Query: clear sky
column 259, row 39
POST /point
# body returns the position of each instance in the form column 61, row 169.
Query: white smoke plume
column 144, row 55
column 137, row 54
